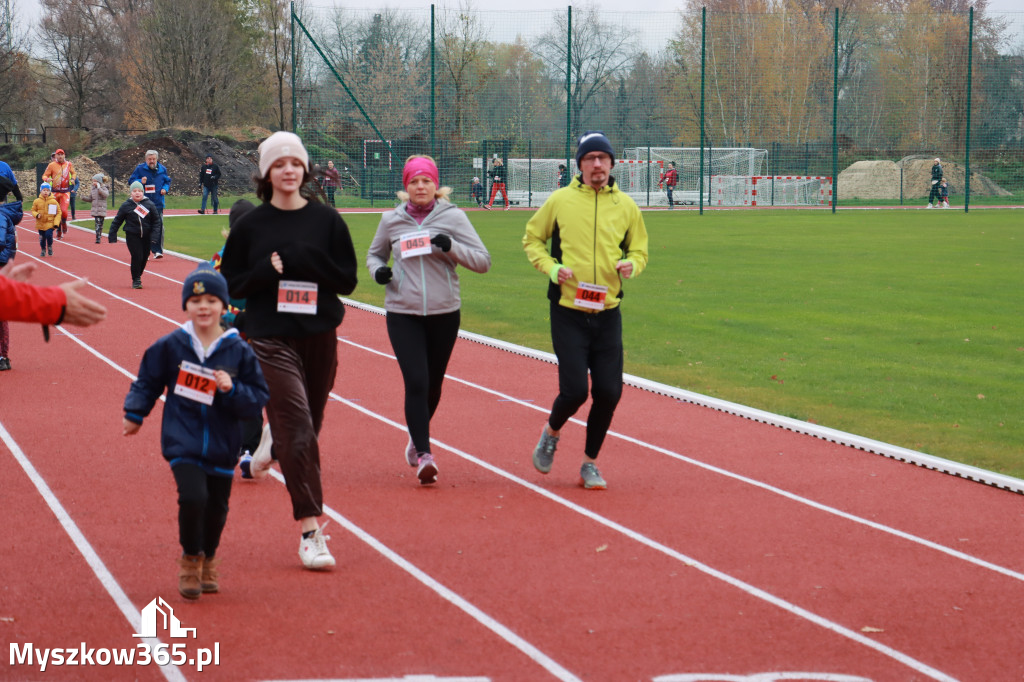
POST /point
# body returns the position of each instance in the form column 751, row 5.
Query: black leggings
column 98, row 219
column 423, row 345
column 587, row 341
column 138, row 248
column 202, row 508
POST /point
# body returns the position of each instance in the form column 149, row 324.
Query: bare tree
column 197, row 64
column 460, row 48
column 275, row 22
column 68, row 30
column 600, row 53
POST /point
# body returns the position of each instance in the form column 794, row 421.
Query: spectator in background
column 155, row 185
column 671, row 178
column 944, row 194
column 476, row 191
column 72, row 195
column 563, row 176
column 497, row 174
column 933, row 195
column 61, row 176
column 332, row 181
column 209, row 176
column 97, row 197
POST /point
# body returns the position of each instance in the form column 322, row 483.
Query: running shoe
column 245, row 465
column 262, row 458
column 544, row 453
column 313, row 550
column 411, row 456
column 427, row 471
column 590, row 477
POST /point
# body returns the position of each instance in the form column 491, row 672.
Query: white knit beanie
column 278, row 146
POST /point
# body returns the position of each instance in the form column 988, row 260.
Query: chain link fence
column 854, row 107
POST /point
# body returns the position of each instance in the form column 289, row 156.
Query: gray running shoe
column 590, row 477
column 544, row 453
column 411, row 455
column 427, row 471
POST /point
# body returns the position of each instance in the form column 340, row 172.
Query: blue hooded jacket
column 10, row 215
column 159, row 179
column 206, row 435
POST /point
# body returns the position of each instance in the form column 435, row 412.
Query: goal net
column 717, row 161
column 531, row 181
column 772, row 190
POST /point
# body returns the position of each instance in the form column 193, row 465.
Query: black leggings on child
column 202, row 508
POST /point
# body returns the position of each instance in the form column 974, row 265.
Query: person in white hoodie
column 427, row 236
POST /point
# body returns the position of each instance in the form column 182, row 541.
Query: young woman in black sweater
column 290, row 258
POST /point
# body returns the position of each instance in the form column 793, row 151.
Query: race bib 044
column 590, row 296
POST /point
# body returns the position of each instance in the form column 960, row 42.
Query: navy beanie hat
column 593, row 141
column 205, row 280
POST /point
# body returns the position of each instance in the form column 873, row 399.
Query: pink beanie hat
column 420, row 166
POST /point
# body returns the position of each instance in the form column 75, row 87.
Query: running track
column 724, row 548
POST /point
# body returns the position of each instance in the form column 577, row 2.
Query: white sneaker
column 929, row 205
column 261, row 459
column 313, row 550
column 411, row 456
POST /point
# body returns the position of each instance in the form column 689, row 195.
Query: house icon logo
column 160, row 610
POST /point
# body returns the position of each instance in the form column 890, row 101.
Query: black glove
column 443, row 242
column 383, row 275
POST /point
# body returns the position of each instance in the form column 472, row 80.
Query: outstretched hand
column 19, row 273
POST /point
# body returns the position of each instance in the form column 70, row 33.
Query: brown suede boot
column 210, row 576
column 188, row 576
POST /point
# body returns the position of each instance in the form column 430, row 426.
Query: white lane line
column 924, row 542
column 99, row 569
column 678, row 556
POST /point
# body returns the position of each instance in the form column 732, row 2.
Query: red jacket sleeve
column 24, row 302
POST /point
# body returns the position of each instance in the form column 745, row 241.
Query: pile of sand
column 881, row 179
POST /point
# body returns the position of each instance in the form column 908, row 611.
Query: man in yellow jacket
column 597, row 239
column 46, row 211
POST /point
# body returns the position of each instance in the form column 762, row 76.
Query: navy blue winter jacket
column 207, row 435
column 10, row 215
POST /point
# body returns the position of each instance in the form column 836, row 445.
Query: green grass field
column 903, row 326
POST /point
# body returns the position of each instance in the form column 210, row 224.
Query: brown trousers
column 300, row 374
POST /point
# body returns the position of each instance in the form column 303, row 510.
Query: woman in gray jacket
column 427, row 236
column 97, row 196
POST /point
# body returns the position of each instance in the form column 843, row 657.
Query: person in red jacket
column 671, row 178
column 24, row 302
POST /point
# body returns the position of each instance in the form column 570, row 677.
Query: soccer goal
column 717, row 161
column 772, row 190
column 531, row 181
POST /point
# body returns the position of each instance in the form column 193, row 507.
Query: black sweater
column 134, row 224
column 315, row 246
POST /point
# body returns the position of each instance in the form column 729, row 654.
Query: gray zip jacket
column 427, row 284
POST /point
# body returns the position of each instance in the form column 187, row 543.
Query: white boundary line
column 822, row 432
column 124, row 604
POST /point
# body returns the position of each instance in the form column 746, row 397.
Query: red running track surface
column 723, row 548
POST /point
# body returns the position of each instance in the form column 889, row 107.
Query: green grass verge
column 903, row 326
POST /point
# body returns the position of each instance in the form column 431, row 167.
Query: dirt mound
column 183, row 160
column 881, row 179
column 870, row 180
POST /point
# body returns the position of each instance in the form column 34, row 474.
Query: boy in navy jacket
column 213, row 382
